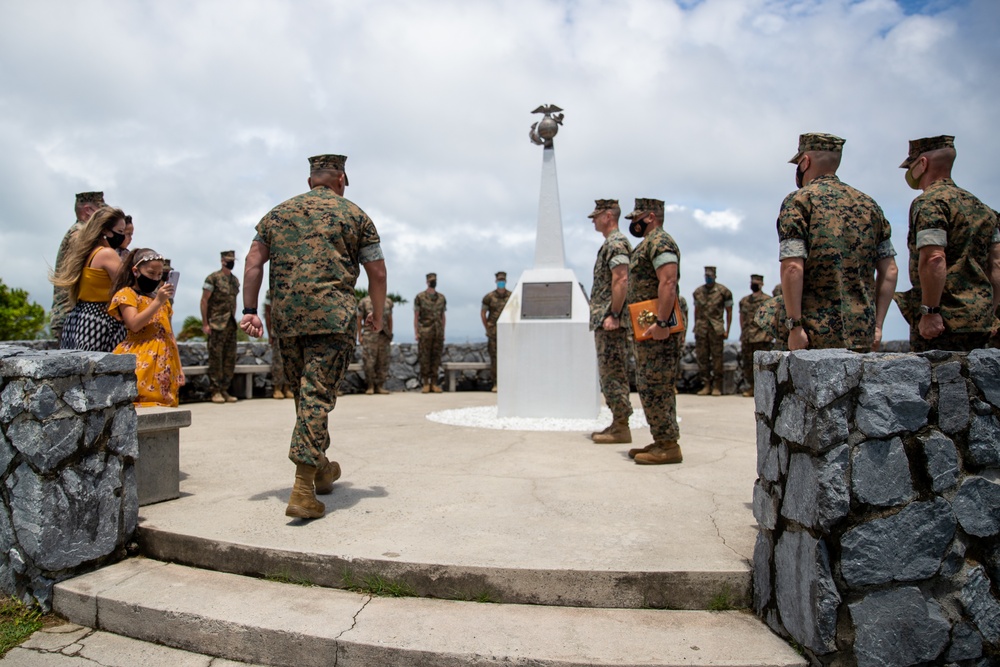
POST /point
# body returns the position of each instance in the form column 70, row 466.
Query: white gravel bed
column 486, row 417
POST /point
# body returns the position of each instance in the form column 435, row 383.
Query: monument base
column 547, row 366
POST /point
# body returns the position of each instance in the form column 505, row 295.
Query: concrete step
column 265, row 622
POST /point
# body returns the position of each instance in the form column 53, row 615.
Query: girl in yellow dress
column 142, row 302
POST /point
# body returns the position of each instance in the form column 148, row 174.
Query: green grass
column 721, row 601
column 285, row 577
column 373, row 584
column 17, row 622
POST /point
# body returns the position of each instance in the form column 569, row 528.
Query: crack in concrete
column 354, row 623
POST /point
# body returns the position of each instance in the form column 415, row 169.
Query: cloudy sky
column 197, row 117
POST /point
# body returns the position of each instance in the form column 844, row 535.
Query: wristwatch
column 249, row 311
column 929, row 310
column 663, row 324
column 792, row 322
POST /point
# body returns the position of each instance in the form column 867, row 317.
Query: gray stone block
column 908, row 546
column 822, row 376
column 765, row 506
column 82, row 520
column 765, row 389
column 954, row 559
column 763, row 551
column 12, row 401
column 75, row 397
column 46, row 445
column 897, row 627
column 979, row 603
column 104, row 391
column 829, row 426
column 984, row 369
column 46, row 364
column 114, row 363
column 966, row 643
column 953, row 398
column 781, row 375
column 44, row 402
column 984, row 441
column 7, row 538
column 816, row 491
column 892, row 396
column 977, row 506
column 7, row 453
column 794, row 419
column 942, row 461
column 880, row 473
column 124, row 439
column 96, row 421
column 767, row 454
column 806, row 593
column 981, row 407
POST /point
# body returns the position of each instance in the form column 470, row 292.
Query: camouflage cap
column 166, row 264
column 601, row 205
column 710, row 271
column 329, row 163
column 90, row 198
column 501, row 275
column 920, row 146
column 432, row 276
column 817, row 141
column 228, row 254
column 647, row 205
column 757, row 278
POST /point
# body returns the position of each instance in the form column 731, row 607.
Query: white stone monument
column 546, row 365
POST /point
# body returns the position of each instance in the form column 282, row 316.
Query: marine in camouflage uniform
column 280, row 386
column 493, row 304
column 953, row 237
column 752, row 337
column 375, row 345
column 86, row 204
column 835, row 249
column 428, row 328
column 218, row 313
column 315, row 243
column 711, row 300
column 655, row 263
column 609, row 321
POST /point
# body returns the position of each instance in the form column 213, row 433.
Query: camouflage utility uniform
column 277, row 366
column 752, row 337
column 375, row 347
column 613, row 347
column 655, row 360
column 841, row 234
column 710, row 305
column 222, row 320
column 430, row 308
column 60, row 295
column 493, row 304
column 948, row 216
column 316, row 241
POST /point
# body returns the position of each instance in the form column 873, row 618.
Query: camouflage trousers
column 429, row 349
column 613, row 349
column 375, row 357
column 708, row 351
column 953, row 342
column 277, row 366
column 222, row 356
column 491, row 348
column 60, row 308
column 746, row 358
column 656, row 379
column 314, row 367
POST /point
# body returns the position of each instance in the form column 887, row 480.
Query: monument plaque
column 547, row 301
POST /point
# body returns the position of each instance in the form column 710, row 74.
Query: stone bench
column 244, row 372
column 454, row 368
column 158, row 466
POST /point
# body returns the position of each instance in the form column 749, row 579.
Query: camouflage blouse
column 615, row 251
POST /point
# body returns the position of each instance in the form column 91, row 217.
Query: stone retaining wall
column 878, row 503
column 67, row 466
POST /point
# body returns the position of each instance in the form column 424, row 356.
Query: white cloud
column 727, row 220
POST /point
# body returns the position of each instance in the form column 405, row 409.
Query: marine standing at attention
column 315, row 242
column 493, row 304
column 609, row 320
column 218, row 322
column 428, row 329
column 752, row 337
column 710, row 334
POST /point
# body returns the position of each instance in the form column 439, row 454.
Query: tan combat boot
column 327, row 472
column 436, row 388
column 716, row 392
column 303, row 504
column 278, row 393
column 426, row 388
column 494, row 389
column 370, row 390
column 663, row 451
column 705, row 391
column 228, row 397
column 379, row 389
column 748, row 393
column 217, row 397
column 635, row 451
column 603, row 431
column 617, row 433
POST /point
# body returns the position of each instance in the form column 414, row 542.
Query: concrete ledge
column 158, row 465
column 453, row 369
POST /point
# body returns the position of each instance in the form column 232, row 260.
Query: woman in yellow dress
column 143, row 304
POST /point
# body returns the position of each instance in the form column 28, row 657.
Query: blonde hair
column 84, row 242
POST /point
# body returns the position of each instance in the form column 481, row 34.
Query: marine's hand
column 798, row 339
column 610, row 323
column 181, row 380
column 205, row 329
column 657, row 333
column 375, row 325
column 931, row 326
column 252, row 325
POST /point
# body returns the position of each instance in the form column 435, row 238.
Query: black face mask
column 146, row 285
column 229, row 264
column 754, row 287
column 799, row 175
column 432, row 284
column 638, row 228
column 115, row 240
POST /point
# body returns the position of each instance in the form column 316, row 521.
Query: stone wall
column 67, row 466
column 878, row 503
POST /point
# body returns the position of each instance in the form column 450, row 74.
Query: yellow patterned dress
column 157, row 363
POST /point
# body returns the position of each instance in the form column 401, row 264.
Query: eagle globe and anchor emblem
column 542, row 131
